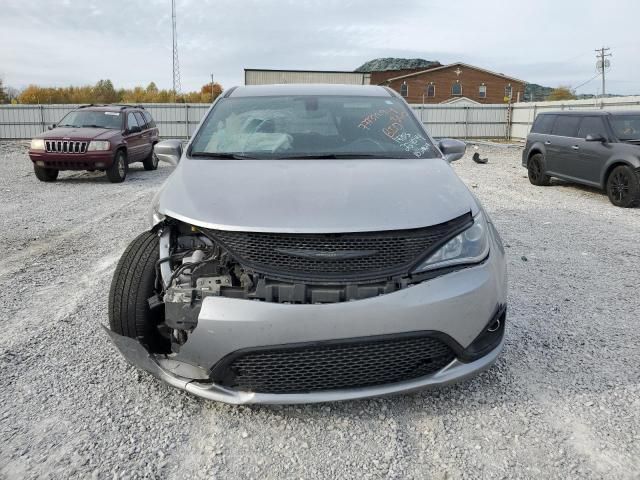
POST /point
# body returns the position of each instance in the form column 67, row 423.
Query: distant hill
column 536, row 93
column 390, row 63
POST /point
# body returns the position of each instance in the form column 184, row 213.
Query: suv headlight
column 98, row 145
column 470, row 246
column 37, row 144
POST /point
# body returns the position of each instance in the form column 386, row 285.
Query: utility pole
column 212, row 88
column 176, row 63
column 602, row 64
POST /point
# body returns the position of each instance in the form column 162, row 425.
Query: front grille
column 334, row 365
column 65, row 146
column 345, row 256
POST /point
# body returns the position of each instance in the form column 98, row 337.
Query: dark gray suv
column 595, row 148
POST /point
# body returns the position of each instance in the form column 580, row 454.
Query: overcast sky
column 81, row 41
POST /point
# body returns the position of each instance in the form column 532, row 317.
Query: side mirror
column 452, row 149
column 51, row 127
column 168, row 151
column 595, row 137
column 135, row 129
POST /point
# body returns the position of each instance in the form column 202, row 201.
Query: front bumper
column 459, row 305
column 172, row 373
column 74, row 161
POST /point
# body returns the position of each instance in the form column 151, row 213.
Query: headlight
column 470, row 246
column 98, row 145
column 37, row 144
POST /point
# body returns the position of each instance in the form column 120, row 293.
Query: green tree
column 561, row 93
column 4, row 98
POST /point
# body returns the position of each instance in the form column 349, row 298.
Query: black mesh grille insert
column 336, row 365
column 368, row 255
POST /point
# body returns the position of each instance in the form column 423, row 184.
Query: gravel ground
column 562, row 402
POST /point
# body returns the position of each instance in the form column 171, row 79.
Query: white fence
column 174, row 120
column 500, row 121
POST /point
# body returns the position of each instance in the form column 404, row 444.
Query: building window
column 404, row 89
column 482, row 91
column 456, row 89
column 507, row 91
column 431, row 90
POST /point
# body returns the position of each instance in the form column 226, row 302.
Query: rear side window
column 141, row 120
column 566, row 126
column 543, row 124
column 592, row 126
column 131, row 121
column 150, row 122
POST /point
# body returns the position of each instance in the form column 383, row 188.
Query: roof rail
column 121, row 105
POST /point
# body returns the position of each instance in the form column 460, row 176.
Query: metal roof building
column 254, row 76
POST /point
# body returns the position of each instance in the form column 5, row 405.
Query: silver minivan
column 313, row 244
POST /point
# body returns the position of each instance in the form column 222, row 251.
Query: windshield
column 89, row 118
column 626, row 127
column 312, row 126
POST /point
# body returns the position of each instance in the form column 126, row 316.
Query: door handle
column 575, row 147
column 547, row 142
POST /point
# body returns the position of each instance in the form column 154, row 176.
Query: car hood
column 79, row 133
column 314, row 196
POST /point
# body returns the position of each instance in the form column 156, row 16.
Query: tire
column 623, row 187
column 151, row 162
column 117, row 172
column 535, row 169
column 132, row 285
column 45, row 174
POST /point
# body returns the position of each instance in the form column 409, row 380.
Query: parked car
column 313, row 244
column 595, row 148
column 96, row 137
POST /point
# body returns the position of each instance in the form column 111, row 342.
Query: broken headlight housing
column 470, row 246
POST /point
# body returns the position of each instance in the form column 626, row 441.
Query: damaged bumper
column 459, row 307
column 172, row 373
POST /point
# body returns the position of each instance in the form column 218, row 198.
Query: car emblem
column 327, row 255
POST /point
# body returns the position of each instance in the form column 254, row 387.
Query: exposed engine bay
column 194, row 265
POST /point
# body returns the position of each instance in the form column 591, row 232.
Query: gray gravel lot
column 562, row 402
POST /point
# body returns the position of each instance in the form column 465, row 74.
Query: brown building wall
column 469, row 78
column 379, row 77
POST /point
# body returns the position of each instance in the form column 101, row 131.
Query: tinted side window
column 566, row 126
column 141, row 121
column 592, row 126
column 150, row 122
column 543, row 124
column 131, row 121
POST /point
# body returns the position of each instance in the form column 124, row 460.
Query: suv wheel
column 623, row 187
column 45, row 174
column 151, row 162
column 535, row 169
column 117, row 172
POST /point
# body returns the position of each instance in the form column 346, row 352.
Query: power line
column 584, row 83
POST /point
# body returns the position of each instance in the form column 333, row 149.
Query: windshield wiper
column 222, row 156
column 93, row 126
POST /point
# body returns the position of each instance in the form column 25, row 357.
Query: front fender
column 630, row 160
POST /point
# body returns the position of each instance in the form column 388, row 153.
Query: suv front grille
column 65, row 146
column 352, row 363
column 340, row 257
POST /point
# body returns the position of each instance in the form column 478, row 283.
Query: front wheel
column 117, row 172
column 133, row 284
column 623, row 187
column 45, row 174
column 535, row 169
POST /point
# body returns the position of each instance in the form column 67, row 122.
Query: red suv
column 96, row 137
